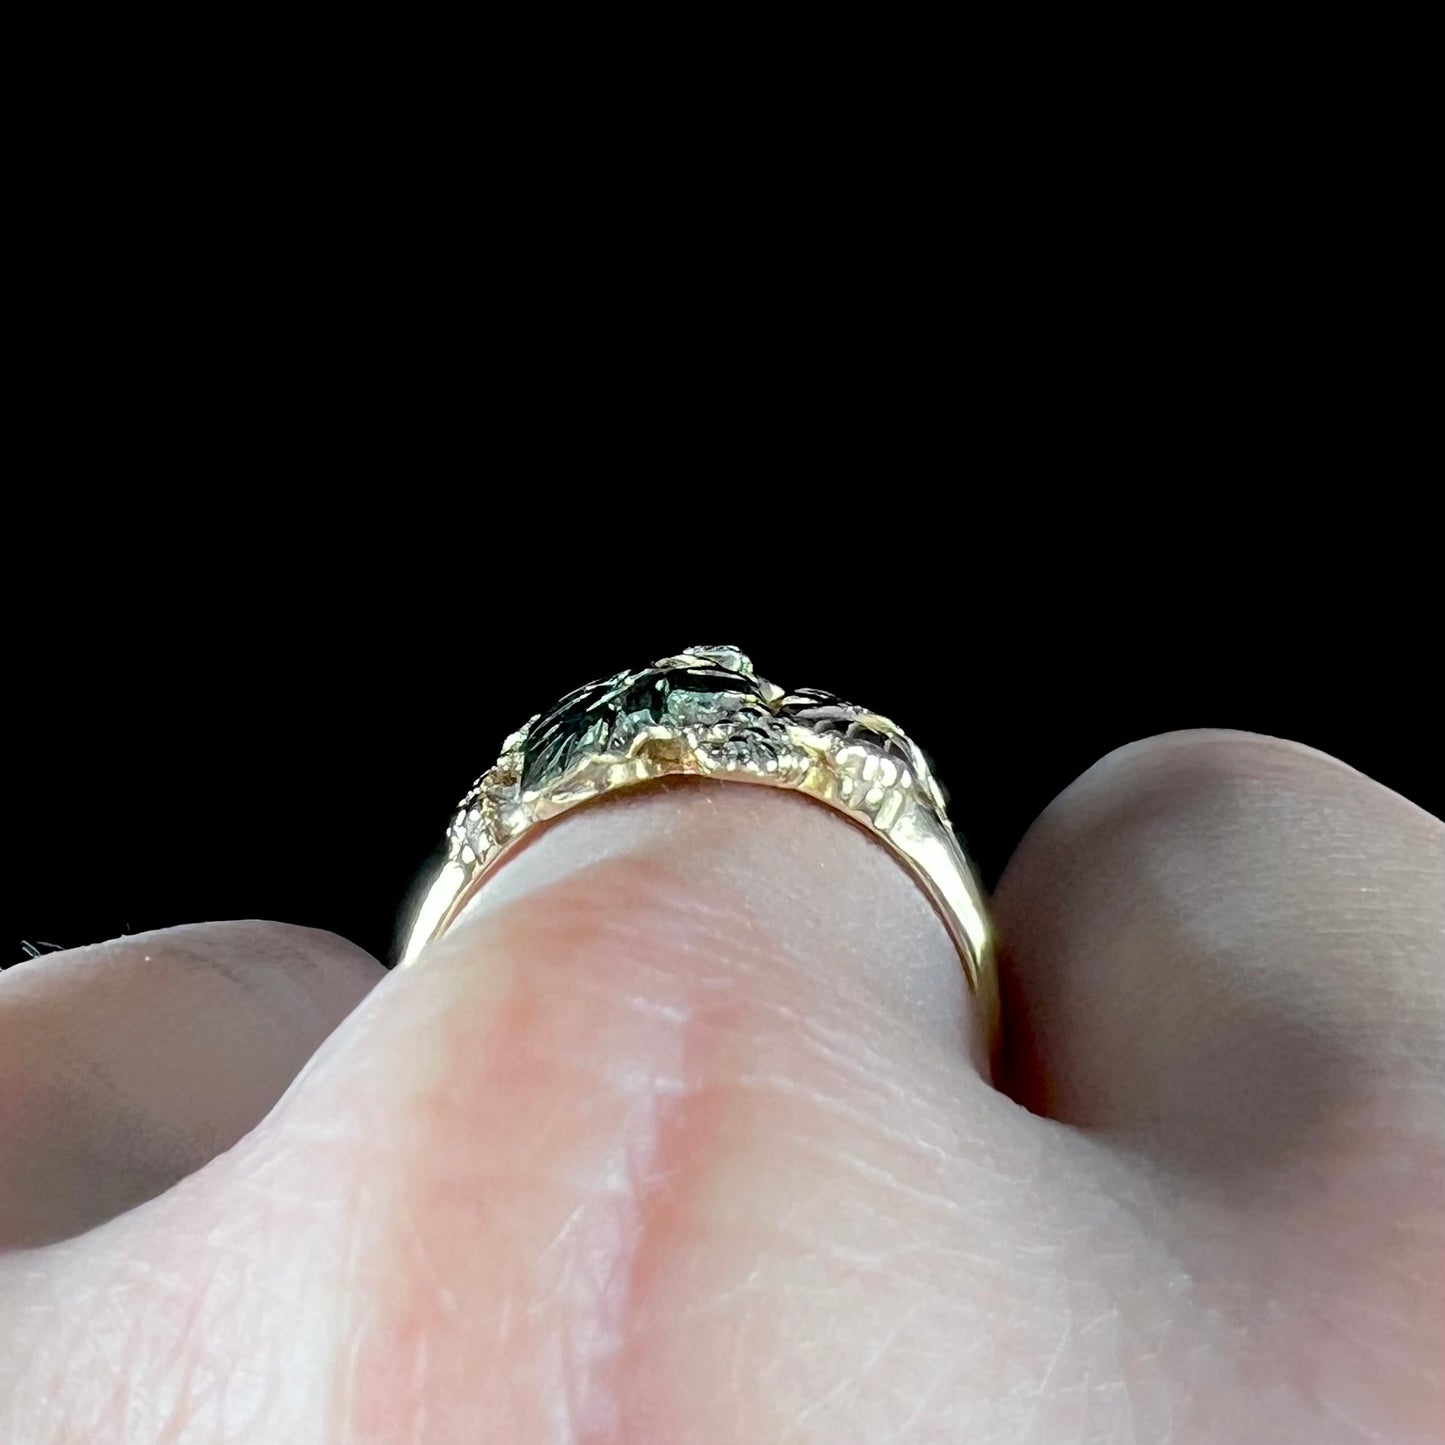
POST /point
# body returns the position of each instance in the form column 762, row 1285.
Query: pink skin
column 678, row 1138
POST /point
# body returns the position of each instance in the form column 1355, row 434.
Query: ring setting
column 706, row 712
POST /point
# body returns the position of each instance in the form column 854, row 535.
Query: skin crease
column 679, row 1138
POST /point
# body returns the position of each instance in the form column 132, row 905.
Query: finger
column 1233, row 946
column 1225, row 955
column 698, row 1054
column 664, row 1022
column 127, row 1065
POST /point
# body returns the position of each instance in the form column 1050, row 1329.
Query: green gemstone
column 605, row 716
column 576, row 725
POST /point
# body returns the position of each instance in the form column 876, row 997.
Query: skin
column 678, row 1138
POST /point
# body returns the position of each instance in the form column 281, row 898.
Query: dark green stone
column 646, row 699
column 572, row 727
column 605, row 715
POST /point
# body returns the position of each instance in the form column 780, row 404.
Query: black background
column 271, row 724
column 309, row 518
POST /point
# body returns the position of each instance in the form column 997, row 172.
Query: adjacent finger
column 1233, row 947
column 127, row 1065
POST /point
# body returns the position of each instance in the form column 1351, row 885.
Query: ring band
column 706, row 713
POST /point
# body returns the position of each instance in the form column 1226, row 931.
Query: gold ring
column 706, row 713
